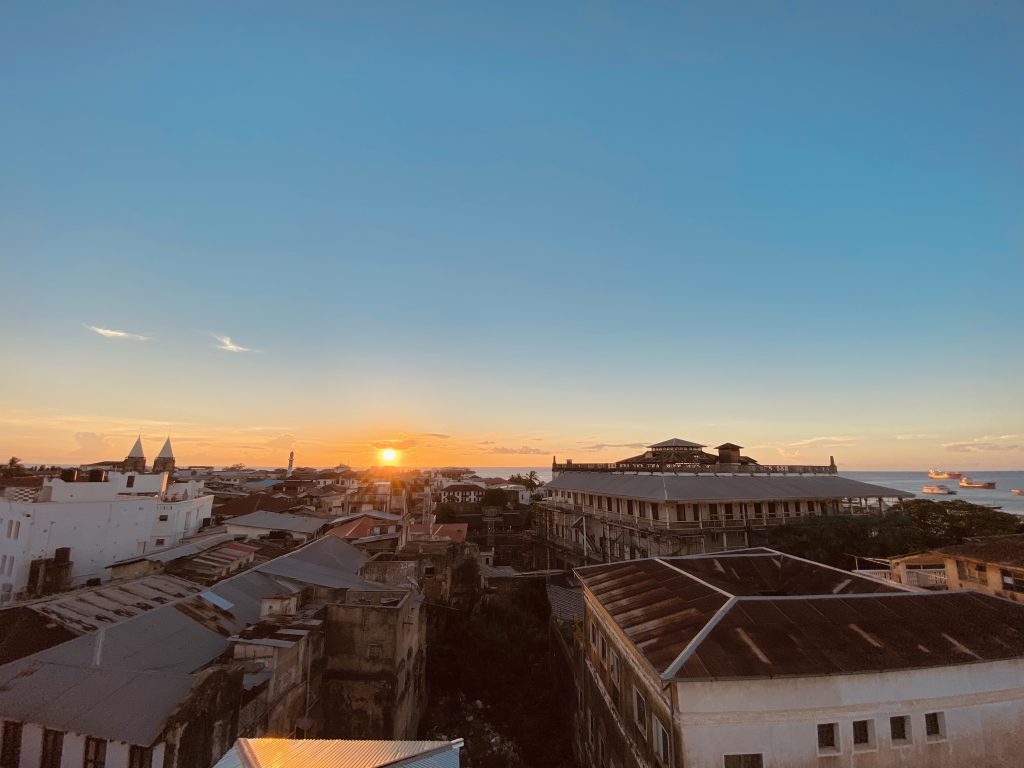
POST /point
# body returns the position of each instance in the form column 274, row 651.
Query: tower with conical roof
column 165, row 459
column 135, row 461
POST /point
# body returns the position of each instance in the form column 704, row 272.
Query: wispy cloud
column 914, row 437
column 603, row 446
column 984, row 444
column 225, row 343
column 110, row 333
column 521, row 450
column 836, row 440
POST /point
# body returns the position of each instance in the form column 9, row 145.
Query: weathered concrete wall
column 374, row 678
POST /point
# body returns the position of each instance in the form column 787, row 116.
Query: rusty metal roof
column 720, row 488
column 763, row 613
column 1001, row 550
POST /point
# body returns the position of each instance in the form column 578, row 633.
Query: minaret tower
column 165, row 459
column 135, row 461
column 291, row 463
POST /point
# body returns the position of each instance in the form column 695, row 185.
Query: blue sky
column 543, row 226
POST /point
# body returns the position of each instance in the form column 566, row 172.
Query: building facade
column 760, row 660
column 676, row 499
column 67, row 531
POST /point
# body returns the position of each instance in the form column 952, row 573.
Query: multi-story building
column 993, row 564
column 462, row 493
column 755, row 659
column 171, row 672
column 678, row 499
column 67, row 530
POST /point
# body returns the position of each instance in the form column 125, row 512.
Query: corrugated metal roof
column 146, row 661
column 342, row 753
column 720, row 488
column 90, row 609
column 1001, row 550
column 279, row 521
column 185, row 549
column 757, row 614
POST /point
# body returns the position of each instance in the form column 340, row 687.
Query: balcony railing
column 706, row 469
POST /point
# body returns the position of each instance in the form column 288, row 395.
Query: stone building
column 677, row 499
column 755, row 659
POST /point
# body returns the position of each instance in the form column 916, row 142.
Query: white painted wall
column 982, row 703
column 98, row 532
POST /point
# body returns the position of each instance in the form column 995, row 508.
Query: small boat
column 1017, row 491
column 943, row 474
column 966, row 482
column 938, row 490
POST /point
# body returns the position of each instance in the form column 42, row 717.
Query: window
column 828, row 741
column 604, row 651
column 640, row 711
column 159, row 542
column 17, row 528
column 935, row 726
column 744, row 761
column 971, row 571
column 131, row 481
column 728, row 511
column 140, row 757
column 53, row 746
column 899, row 729
column 662, row 743
column 1013, row 582
column 162, row 518
column 810, row 506
column 863, row 734
column 771, row 509
column 615, row 667
column 373, row 651
column 757, row 509
column 10, row 751
column 593, row 634
column 654, row 510
column 95, row 753
column 10, row 565
column 629, row 506
column 10, row 528
column 712, row 511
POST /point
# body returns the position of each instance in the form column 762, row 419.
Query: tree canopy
column 912, row 526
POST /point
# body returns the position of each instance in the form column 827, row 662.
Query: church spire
column 135, row 461
column 165, row 459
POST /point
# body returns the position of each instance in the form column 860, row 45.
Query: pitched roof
column 454, row 531
column 708, row 488
column 279, row 521
column 1001, row 550
column 147, row 662
column 729, row 446
column 675, row 442
column 759, row 613
column 166, row 452
column 136, row 452
column 244, row 505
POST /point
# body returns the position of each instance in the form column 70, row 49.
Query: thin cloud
column 837, row 440
column 984, row 444
column 521, row 450
column 603, row 446
column 914, row 437
column 229, row 346
column 110, row 333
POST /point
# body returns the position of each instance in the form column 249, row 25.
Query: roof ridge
column 691, row 647
column 695, row 578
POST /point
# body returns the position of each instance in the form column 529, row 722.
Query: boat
column 944, row 474
column 938, row 490
column 1017, row 491
column 966, row 482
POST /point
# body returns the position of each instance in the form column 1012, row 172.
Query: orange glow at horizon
column 388, row 455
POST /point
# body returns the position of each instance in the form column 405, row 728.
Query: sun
column 388, row 455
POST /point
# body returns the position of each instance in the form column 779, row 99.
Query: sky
column 487, row 234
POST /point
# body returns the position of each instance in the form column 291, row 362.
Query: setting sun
column 388, row 455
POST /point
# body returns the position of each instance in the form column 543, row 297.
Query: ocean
column 901, row 481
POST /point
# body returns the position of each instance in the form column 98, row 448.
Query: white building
column 756, row 659
column 67, row 531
